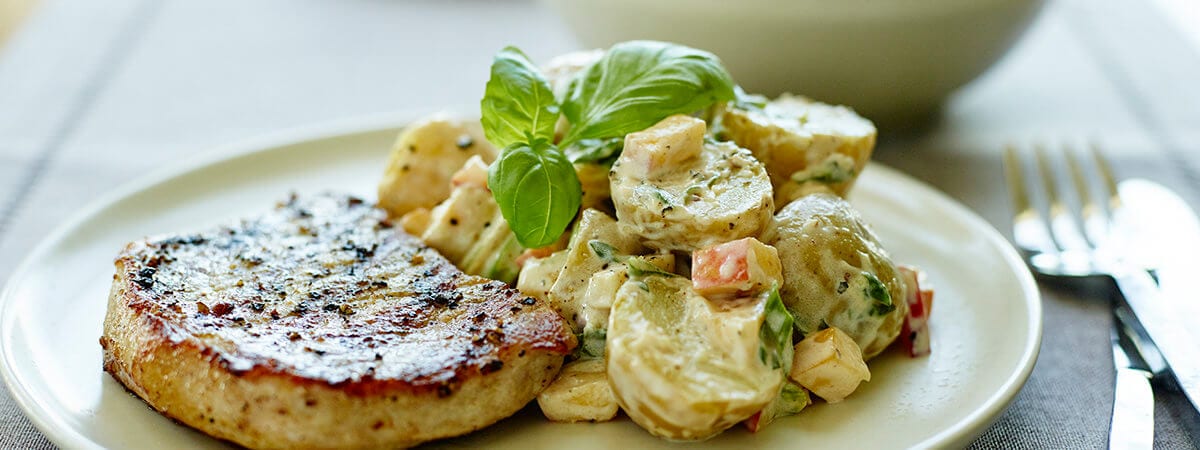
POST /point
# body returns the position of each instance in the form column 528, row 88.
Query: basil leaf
column 537, row 191
column 775, row 336
column 595, row 150
column 518, row 105
column 638, row 83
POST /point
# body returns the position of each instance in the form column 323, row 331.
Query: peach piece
column 736, row 269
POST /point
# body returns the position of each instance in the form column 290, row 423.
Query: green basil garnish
column 537, row 191
column 633, row 86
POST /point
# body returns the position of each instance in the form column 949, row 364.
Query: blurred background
column 147, row 81
column 96, row 93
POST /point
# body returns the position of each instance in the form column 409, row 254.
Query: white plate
column 986, row 322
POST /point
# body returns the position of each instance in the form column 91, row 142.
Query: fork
column 1072, row 250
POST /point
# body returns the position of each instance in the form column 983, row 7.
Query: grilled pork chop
column 319, row 325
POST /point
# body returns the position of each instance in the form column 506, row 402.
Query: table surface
column 93, row 94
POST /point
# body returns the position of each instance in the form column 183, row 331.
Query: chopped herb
column 876, row 291
column 591, row 343
column 775, row 348
column 834, row 170
column 662, row 196
column 604, row 251
column 640, row 268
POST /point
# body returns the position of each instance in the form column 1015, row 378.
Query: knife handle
column 1133, row 411
column 1165, row 327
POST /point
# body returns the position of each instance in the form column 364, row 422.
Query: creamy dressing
column 684, row 367
column 718, row 194
column 828, row 255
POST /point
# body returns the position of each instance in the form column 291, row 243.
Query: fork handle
column 1162, row 323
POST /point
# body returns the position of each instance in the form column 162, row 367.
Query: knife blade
column 1133, row 399
column 1142, row 346
column 1166, row 329
column 1165, row 236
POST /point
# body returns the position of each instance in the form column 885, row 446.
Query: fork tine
column 1030, row 231
column 1064, row 229
column 1016, row 181
column 1106, row 176
column 1095, row 221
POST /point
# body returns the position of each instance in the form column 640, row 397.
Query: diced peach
column 914, row 335
column 740, row 268
column 659, row 149
column 830, row 364
column 474, row 173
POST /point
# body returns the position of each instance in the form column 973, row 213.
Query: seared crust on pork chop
column 319, row 325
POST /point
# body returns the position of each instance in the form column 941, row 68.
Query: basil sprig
column 633, row 86
column 518, row 105
column 638, row 83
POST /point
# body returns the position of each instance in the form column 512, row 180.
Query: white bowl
column 893, row 61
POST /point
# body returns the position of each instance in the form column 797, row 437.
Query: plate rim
column 52, row 425
column 975, row 424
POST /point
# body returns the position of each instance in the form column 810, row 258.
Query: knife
column 1165, row 328
column 1165, row 230
column 1142, row 347
column 1133, row 399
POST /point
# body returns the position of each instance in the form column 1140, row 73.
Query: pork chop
column 319, row 325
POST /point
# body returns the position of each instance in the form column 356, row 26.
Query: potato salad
column 696, row 237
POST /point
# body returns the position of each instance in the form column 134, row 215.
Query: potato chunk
column 683, row 367
column 426, row 155
column 582, row 261
column 807, row 146
column 457, row 223
column 539, row 274
column 415, row 222
column 829, row 364
column 473, row 173
column 662, row 148
column 599, row 295
column 739, row 268
column 835, row 272
column 597, row 191
column 580, row 393
column 678, row 192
